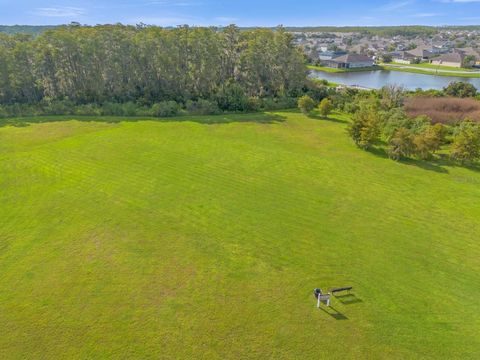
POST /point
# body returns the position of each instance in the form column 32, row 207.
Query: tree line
column 229, row 68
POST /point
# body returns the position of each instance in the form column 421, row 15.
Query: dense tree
column 397, row 118
column 392, row 96
column 460, row 89
column 401, row 145
column 429, row 141
column 325, row 107
column 466, row 143
column 147, row 65
column 387, row 58
column 306, row 104
column 365, row 126
column 469, row 61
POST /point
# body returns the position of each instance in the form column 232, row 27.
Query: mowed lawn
column 203, row 238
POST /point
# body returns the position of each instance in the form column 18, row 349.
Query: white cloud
column 60, row 11
column 424, row 15
column 395, row 5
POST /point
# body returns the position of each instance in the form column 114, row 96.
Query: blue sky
column 242, row 12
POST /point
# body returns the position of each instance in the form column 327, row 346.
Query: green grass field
column 203, row 238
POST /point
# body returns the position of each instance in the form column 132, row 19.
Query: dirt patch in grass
column 444, row 110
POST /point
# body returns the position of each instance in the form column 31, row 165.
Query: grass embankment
column 333, row 70
column 205, row 238
column 429, row 69
column 422, row 69
column 437, row 67
column 325, row 82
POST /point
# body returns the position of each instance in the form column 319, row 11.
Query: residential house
column 453, row 59
column 403, row 57
column 422, row 53
column 329, row 55
column 350, row 61
column 469, row 51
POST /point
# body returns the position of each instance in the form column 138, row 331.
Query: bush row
column 160, row 109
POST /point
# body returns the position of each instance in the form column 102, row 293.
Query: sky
column 241, row 12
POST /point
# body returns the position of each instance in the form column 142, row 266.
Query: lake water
column 380, row 78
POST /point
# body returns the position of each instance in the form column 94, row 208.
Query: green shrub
column 112, row 109
column 202, row 107
column 60, row 107
column 365, row 126
column 166, row 109
column 401, row 145
column 3, row 112
column 429, row 141
column 306, row 104
column 87, row 110
column 254, row 104
column 466, row 143
column 325, row 107
column 460, row 89
column 231, row 97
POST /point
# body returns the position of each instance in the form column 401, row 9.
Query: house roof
column 403, row 55
column 352, row 58
column 471, row 51
column 420, row 52
column 454, row 57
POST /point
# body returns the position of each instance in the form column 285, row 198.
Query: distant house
column 422, row 53
column 453, row 59
column 403, row 57
column 469, row 51
column 329, row 55
column 350, row 61
column 441, row 47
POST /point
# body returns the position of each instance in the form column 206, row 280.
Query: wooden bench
column 337, row 290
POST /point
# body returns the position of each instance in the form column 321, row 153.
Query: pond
column 380, row 78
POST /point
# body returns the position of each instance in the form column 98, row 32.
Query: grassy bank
column 332, row 70
column 428, row 70
column 204, row 238
column 436, row 67
column 405, row 68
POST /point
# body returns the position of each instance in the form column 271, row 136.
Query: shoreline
column 401, row 68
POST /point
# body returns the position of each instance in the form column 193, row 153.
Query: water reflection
column 378, row 79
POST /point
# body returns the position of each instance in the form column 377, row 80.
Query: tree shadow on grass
column 259, row 118
column 436, row 165
column 337, row 315
column 327, row 118
column 426, row 165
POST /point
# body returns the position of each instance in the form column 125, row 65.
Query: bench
column 337, row 290
column 321, row 297
column 325, row 298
